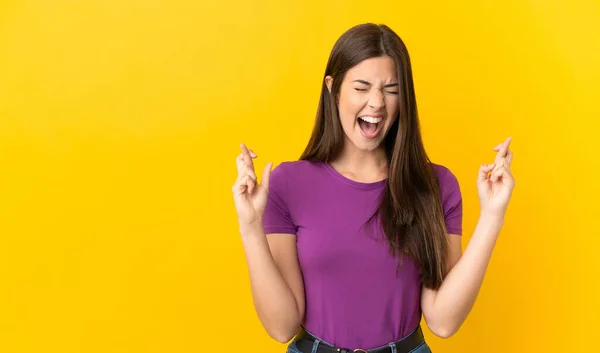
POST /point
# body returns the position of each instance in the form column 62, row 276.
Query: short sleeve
column 277, row 218
column 451, row 202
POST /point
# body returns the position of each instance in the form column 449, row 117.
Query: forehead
column 373, row 69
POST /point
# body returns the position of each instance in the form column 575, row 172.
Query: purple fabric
column 353, row 297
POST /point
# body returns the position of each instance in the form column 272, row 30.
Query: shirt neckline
column 339, row 176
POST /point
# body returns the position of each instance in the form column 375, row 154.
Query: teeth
column 371, row 119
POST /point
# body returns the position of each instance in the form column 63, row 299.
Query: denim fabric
column 422, row 348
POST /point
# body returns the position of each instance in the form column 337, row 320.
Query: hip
column 306, row 342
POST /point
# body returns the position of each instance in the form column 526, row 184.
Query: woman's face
column 368, row 102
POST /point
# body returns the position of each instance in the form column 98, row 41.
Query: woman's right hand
column 249, row 196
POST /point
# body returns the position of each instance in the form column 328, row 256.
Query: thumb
column 266, row 176
column 483, row 171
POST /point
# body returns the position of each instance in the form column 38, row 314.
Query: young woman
column 348, row 246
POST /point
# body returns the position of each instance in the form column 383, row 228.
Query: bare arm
column 446, row 309
column 276, row 282
column 275, row 276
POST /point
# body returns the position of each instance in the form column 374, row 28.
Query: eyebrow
column 369, row 84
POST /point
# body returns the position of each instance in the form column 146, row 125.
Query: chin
column 367, row 146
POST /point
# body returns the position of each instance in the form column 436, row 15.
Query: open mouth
column 370, row 126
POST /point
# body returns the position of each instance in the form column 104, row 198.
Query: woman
column 350, row 245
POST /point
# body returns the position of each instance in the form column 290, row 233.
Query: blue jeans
column 422, row 348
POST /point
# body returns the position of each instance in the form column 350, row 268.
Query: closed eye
column 365, row 89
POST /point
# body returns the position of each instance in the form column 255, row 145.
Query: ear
column 329, row 82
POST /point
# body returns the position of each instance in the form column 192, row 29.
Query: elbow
column 282, row 328
column 284, row 332
column 444, row 331
column 282, row 336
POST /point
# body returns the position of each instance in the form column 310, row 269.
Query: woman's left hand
column 495, row 183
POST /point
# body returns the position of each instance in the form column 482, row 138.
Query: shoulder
column 290, row 180
column 298, row 165
column 296, row 169
column 449, row 187
column 446, row 178
column 451, row 198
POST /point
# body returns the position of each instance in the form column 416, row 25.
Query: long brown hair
column 410, row 209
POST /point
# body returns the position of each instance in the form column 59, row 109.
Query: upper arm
column 281, row 230
column 454, row 251
column 451, row 199
column 285, row 254
column 428, row 295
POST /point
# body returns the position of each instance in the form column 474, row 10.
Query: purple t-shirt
column 354, row 299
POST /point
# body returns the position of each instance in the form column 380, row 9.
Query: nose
column 376, row 99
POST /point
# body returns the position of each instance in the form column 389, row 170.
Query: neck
column 362, row 166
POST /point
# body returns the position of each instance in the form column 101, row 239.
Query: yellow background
column 120, row 122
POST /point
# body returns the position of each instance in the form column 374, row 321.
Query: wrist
column 248, row 230
column 491, row 222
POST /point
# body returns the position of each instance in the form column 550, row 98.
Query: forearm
column 456, row 296
column 274, row 301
